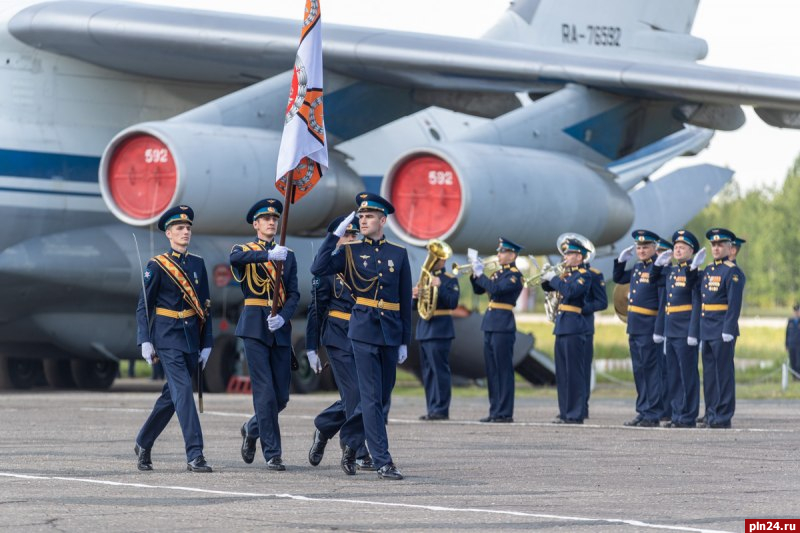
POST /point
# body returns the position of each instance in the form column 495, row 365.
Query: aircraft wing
column 208, row 46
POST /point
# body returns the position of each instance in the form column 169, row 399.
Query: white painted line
column 435, row 508
column 570, row 427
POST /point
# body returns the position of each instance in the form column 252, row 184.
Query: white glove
column 658, row 339
column 278, row 253
column 727, row 337
column 698, row 259
column 477, row 268
column 626, row 254
column 691, row 341
column 663, row 258
column 205, row 353
column 147, row 352
column 313, row 361
column 342, row 227
column 402, row 354
column 550, row 274
column 274, row 323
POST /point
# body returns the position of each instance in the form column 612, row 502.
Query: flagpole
column 284, row 225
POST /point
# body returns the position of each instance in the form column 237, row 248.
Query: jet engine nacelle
column 470, row 193
column 220, row 171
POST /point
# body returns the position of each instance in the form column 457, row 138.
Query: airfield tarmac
column 67, row 464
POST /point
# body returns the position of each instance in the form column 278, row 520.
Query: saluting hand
column 663, row 258
column 342, row 227
column 626, row 254
column 698, row 259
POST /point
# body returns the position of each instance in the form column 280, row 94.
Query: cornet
column 490, row 263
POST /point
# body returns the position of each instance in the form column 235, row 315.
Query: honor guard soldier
column 793, row 341
column 679, row 323
column 267, row 339
column 328, row 321
column 174, row 326
column 646, row 285
column 435, row 335
column 570, row 330
column 499, row 329
column 379, row 275
column 662, row 246
column 596, row 300
column 721, row 287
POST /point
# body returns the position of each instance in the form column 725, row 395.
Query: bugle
column 490, row 263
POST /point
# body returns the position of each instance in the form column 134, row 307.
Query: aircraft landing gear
column 20, row 373
column 94, row 374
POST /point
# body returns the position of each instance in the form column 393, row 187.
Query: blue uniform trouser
column 794, row 358
column 666, row 404
column 176, row 397
column 435, row 366
column 498, row 354
column 376, row 367
column 270, row 377
column 331, row 420
column 646, row 375
column 570, row 376
column 588, row 350
column 683, row 380
column 719, row 384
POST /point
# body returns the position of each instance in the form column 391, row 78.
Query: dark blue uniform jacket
column 504, row 288
column 574, row 287
column 379, row 274
column 176, row 333
column 646, row 287
column 679, row 316
column 721, row 288
column 253, row 321
column 328, row 313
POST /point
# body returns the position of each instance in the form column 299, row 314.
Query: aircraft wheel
column 94, row 374
column 20, row 373
column 221, row 364
column 58, row 373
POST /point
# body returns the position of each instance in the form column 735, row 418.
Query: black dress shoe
column 645, row 423
column 143, row 455
column 436, row 416
column 702, row 420
column 423, row 417
column 634, row 422
column 679, row 425
column 365, row 463
column 248, row 445
column 559, row 420
column 502, row 420
column 276, row 464
column 317, row 448
column 486, row 419
column 389, row 472
column 349, row 461
column 198, row 464
column 720, row 425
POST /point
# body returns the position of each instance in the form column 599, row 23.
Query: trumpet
column 490, row 263
column 535, row 279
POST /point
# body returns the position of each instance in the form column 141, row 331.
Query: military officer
column 679, row 322
column 435, row 336
column 328, row 321
column 267, row 339
column 666, row 406
column 173, row 326
column 721, row 287
column 571, row 329
column 736, row 246
column 646, row 284
column 793, row 340
column 379, row 275
column 596, row 300
column 499, row 329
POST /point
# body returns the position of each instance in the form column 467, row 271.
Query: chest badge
column 196, row 281
column 391, row 265
column 364, row 257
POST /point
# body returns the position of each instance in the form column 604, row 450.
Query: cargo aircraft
column 112, row 112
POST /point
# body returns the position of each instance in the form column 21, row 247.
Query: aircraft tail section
column 604, row 27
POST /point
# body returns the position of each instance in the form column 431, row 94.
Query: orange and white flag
column 303, row 155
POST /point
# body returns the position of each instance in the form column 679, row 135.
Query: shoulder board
column 593, row 269
column 195, row 255
column 395, row 244
column 729, row 263
column 582, row 270
column 514, row 269
column 449, row 275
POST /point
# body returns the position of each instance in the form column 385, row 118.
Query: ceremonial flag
column 303, row 155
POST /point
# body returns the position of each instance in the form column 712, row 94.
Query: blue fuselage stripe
column 49, row 166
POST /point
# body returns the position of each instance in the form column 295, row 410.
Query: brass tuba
column 428, row 294
column 552, row 299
